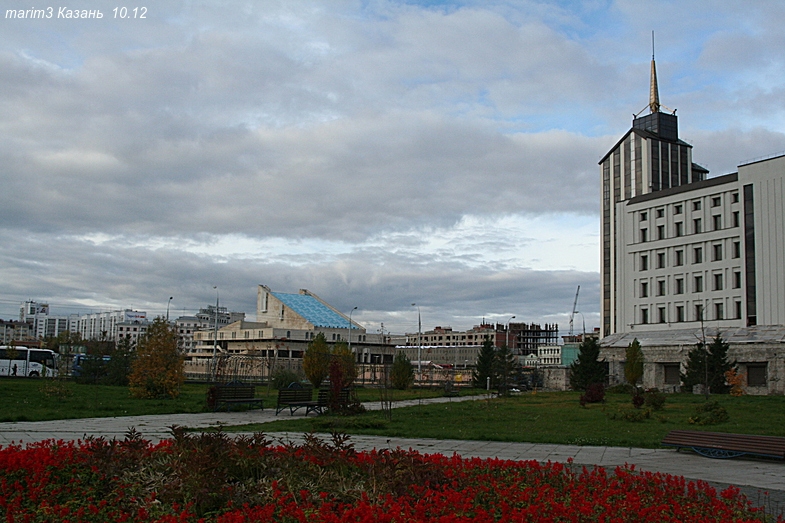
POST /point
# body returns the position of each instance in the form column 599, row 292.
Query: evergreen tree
column 402, row 372
column 316, row 360
column 484, row 368
column 708, row 363
column 633, row 367
column 157, row 371
column 504, row 367
column 587, row 369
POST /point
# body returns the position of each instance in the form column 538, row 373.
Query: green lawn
column 553, row 417
column 545, row 417
column 26, row 399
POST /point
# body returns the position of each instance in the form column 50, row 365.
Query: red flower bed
column 214, row 478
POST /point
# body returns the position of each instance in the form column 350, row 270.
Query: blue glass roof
column 313, row 310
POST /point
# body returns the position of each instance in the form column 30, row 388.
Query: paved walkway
column 756, row 478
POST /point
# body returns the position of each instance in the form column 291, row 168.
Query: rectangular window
column 660, row 213
column 677, row 209
column 644, row 289
column 644, row 316
column 680, row 313
column 718, row 312
column 661, row 314
column 644, row 216
column 698, row 312
column 756, row 374
column 698, row 284
column 735, row 218
column 660, row 260
column 717, row 252
column 696, row 206
column 717, row 221
column 716, row 201
column 661, row 288
column 679, row 258
column 734, row 198
column 679, row 286
column 679, row 229
column 737, row 249
column 737, row 310
column 697, row 255
column 671, row 373
column 737, row 279
column 718, row 282
column 660, row 232
column 696, row 226
column 644, row 262
column 644, row 235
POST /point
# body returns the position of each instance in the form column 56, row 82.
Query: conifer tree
column 484, row 368
column 707, row 365
column 505, row 364
column 587, row 369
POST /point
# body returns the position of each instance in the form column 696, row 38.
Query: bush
column 595, row 393
column 621, row 388
column 637, row 401
column 633, row 415
column 710, row 413
column 654, row 399
column 281, row 378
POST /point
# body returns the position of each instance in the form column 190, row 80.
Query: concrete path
column 763, row 481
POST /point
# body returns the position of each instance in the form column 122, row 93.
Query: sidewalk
column 754, row 477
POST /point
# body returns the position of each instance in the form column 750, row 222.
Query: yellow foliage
column 736, row 382
column 157, row 371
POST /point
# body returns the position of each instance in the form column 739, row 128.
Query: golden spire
column 654, row 94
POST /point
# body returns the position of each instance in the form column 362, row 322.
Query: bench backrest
column 223, row 392
column 762, row 445
column 323, row 397
column 295, row 395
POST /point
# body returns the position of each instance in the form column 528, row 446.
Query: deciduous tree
column 316, row 360
column 633, row 367
column 157, row 371
column 402, row 373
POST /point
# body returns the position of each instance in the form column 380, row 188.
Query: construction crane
column 574, row 308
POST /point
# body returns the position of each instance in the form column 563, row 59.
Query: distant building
column 15, row 331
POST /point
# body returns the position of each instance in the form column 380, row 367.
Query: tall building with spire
column 680, row 249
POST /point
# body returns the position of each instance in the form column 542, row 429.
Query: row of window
column 716, row 201
column 698, row 313
column 697, row 256
column 697, row 227
column 697, row 284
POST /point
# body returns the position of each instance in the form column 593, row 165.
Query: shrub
column 595, row 393
column 710, row 413
column 281, row 378
column 621, row 388
column 637, row 401
column 633, row 415
column 654, row 399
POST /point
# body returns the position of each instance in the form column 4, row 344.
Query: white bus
column 27, row 362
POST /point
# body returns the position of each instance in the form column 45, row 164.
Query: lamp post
column 350, row 328
column 508, row 331
column 167, row 308
column 419, row 341
column 215, row 332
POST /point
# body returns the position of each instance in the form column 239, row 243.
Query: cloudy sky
column 378, row 153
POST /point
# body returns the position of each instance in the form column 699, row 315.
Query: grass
column 545, row 417
column 26, row 399
column 554, row 417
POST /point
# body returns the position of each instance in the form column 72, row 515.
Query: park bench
column 323, row 401
column 450, row 390
column 235, row 393
column 294, row 397
column 724, row 445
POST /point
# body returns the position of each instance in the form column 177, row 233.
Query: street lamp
column 350, row 328
column 167, row 308
column 419, row 341
column 508, row 331
column 215, row 332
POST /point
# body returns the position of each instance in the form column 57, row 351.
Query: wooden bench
column 725, row 445
column 294, row 398
column 323, row 401
column 235, row 393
